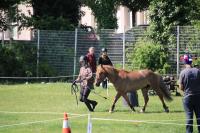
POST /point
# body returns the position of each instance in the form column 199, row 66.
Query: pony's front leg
column 128, row 101
column 146, row 99
column 118, row 95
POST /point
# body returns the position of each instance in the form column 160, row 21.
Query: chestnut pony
column 125, row 81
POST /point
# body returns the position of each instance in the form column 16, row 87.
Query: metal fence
column 62, row 49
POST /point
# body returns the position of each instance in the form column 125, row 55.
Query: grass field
column 39, row 103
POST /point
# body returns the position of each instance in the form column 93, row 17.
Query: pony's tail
column 165, row 90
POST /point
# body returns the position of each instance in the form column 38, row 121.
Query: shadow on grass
column 170, row 111
column 138, row 111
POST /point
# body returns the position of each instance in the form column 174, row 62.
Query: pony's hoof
column 167, row 110
column 142, row 111
column 110, row 111
column 133, row 111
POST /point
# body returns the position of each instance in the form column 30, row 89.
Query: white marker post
column 89, row 128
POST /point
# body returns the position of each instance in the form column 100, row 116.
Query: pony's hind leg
column 118, row 95
column 146, row 98
column 128, row 101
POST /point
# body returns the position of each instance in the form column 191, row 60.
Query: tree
column 105, row 12
column 53, row 14
column 8, row 13
column 164, row 14
column 135, row 5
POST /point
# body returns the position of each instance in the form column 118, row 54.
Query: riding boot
column 94, row 103
column 87, row 103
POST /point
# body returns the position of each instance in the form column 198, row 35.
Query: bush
column 196, row 62
column 45, row 70
column 149, row 55
column 10, row 65
column 19, row 59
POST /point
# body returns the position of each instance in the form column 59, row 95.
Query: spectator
column 92, row 59
column 189, row 82
column 104, row 60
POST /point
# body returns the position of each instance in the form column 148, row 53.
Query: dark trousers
column 84, row 93
column 134, row 98
column 192, row 106
column 104, row 84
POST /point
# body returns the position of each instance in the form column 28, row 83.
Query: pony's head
column 100, row 75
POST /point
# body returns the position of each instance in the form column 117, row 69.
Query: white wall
column 124, row 17
column 88, row 19
column 15, row 33
column 124, row 21
column 24, row 34
column 142, row 18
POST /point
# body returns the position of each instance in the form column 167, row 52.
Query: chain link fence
column 61, row 49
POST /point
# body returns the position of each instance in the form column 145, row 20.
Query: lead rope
column 74, row 90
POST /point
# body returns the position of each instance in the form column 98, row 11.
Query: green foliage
column 8, row 13
column 105, row 12
column 136, row 5
column 47, row 23
column 20, row 59
column 45, row 70
column 53, row 14
column 10, row 65
column 194, row 38
column 48, row 14
column 196, row 62
column 164, row 14
column 149, row 55
column 118, row 66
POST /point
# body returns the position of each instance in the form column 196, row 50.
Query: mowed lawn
column 38, row 108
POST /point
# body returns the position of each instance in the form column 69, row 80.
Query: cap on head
column 187, row 59
column 103, row 50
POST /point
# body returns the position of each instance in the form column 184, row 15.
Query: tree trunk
column 133, row 18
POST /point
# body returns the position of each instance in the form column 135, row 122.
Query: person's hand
column 74, row 82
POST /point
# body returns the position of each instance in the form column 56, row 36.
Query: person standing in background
column 189, row 83
column 104, row 60
column 92, row 59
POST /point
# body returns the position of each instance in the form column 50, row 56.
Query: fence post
column 124, row 49
column 178, row 50
column 2, row 37
column 75, row 52
column 38, row 53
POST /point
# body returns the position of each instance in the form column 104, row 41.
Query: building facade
column 124, row 16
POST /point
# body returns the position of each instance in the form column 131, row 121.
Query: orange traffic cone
column 66, row 128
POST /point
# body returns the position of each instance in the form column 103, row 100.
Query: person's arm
column 79, row 76
column 89, row 76
column 199, row 74
column 181, row 87
column 109, row 61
